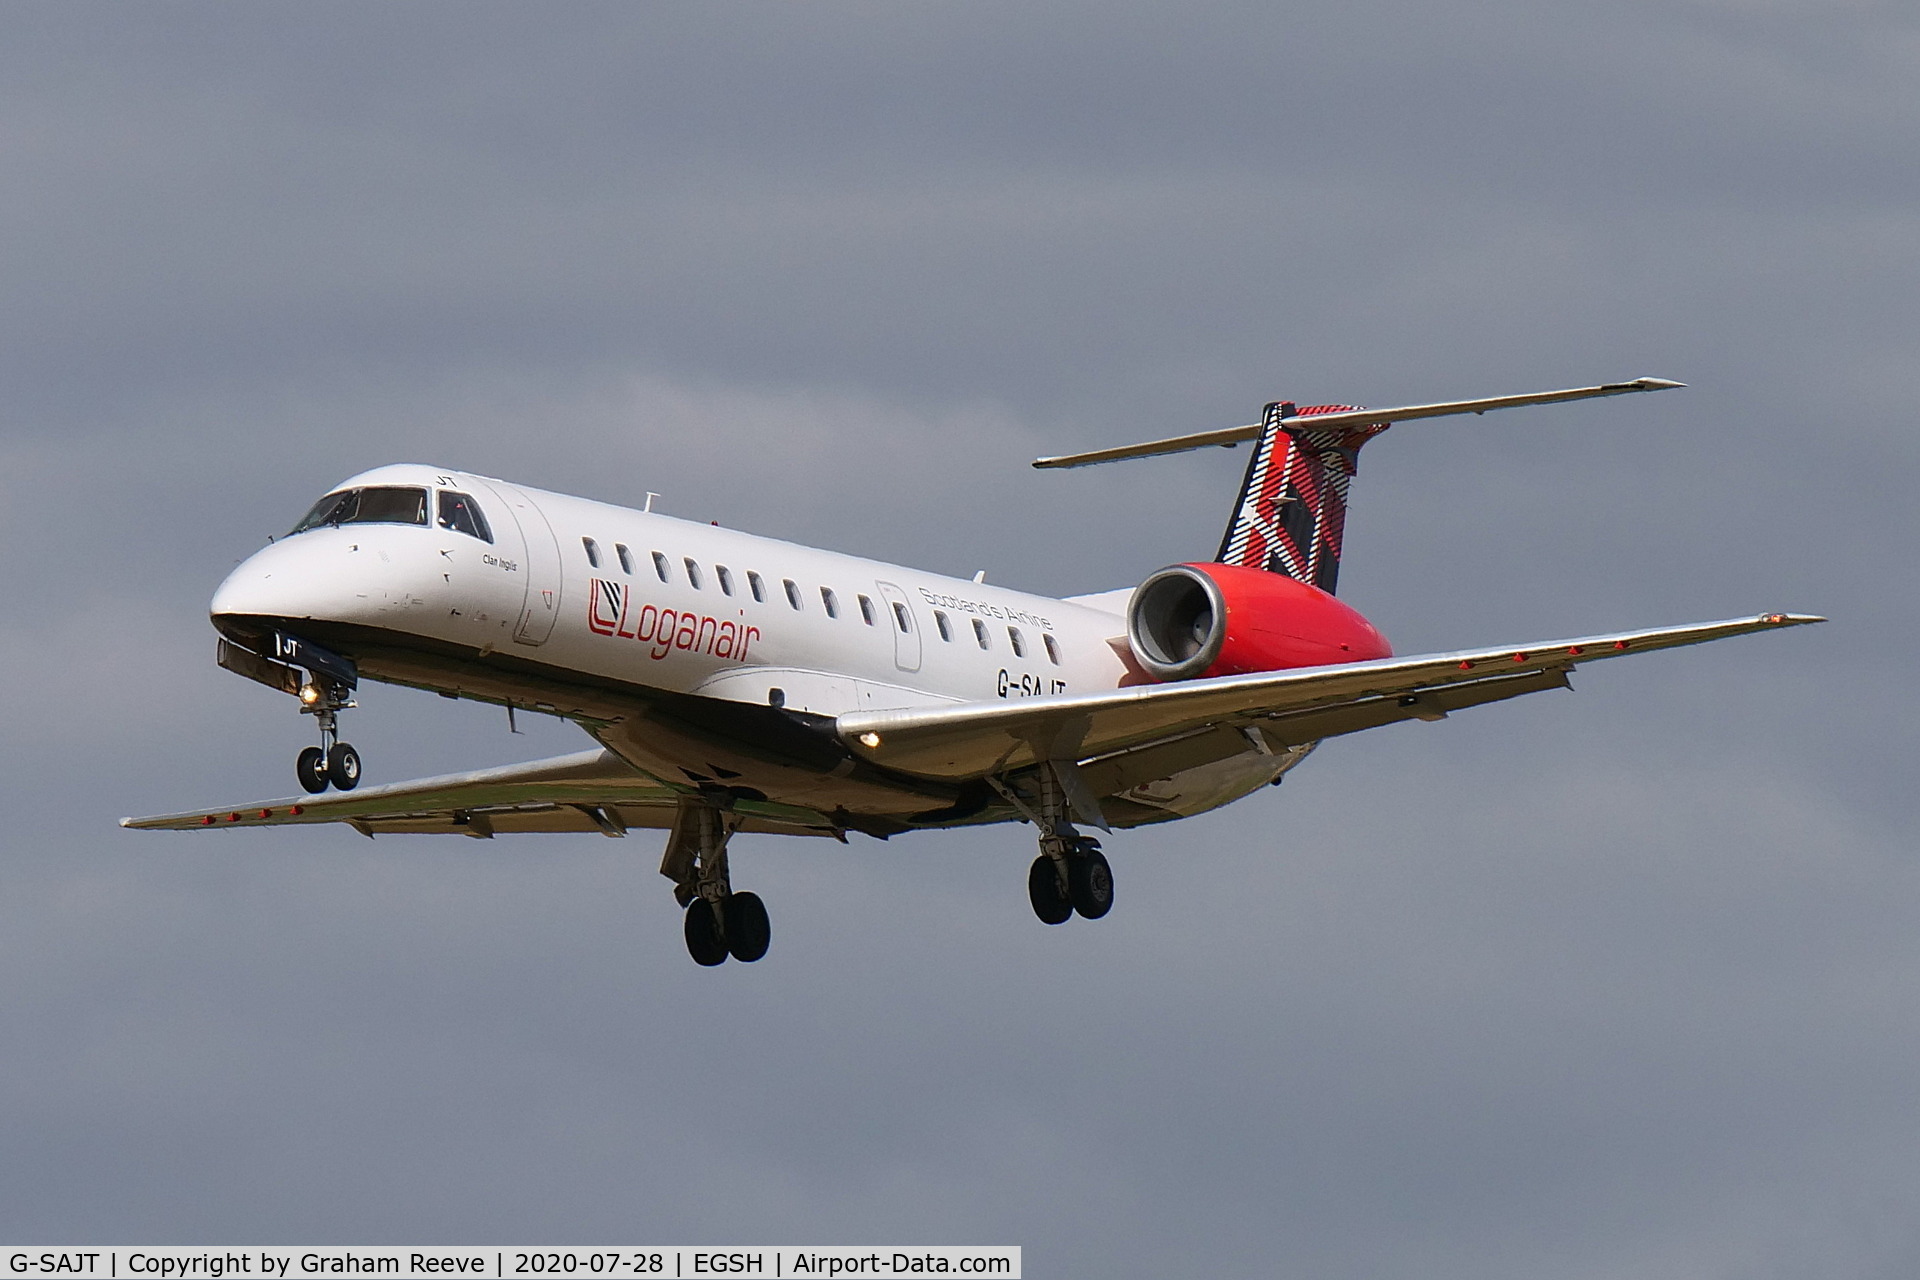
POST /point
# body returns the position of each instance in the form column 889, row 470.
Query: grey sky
column 1606, row 985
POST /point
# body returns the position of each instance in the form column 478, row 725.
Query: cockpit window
column 375, row 505
column 335, row 508
column 461, row 514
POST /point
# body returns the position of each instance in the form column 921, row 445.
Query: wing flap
column 1275, row 731
column 976, row 739
column 584, row 792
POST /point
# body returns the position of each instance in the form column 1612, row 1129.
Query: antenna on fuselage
column 650, row 497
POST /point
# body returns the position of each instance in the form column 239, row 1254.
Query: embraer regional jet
column 739, row 683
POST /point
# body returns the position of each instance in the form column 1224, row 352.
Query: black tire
column 703, row 934
column 748, row 932
column 311, row 766
column 343, row 766
column 1043, row 890
column 1090, row 883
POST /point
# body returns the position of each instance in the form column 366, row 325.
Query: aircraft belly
column 687, row 739
column 681, row 739
column 1209, row 786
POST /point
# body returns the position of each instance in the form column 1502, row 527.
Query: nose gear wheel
column 343, row 766
column 311, row 768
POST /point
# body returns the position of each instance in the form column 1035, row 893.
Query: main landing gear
column 332, row 763
column 1075, row 879
column 1071, row 874
column 719, row 922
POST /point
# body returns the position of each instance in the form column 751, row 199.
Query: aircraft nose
column 297, row 579
column 351, row 576
column 273, row 580
column 261, row 593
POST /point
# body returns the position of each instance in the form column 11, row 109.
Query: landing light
column 869, row 740
column 309, row 694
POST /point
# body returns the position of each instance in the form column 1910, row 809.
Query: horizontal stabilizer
column 1353, row 418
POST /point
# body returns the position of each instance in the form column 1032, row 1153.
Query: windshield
column 380, row 505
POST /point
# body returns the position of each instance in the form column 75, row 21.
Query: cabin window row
column 829, row 600
column 696, row 578
column 983, row 636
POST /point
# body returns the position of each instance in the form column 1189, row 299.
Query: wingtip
column 1656, row 384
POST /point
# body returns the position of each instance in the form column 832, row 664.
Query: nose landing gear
column 332, row 763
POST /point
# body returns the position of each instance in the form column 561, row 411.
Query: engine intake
column 1176, row 623
column 1191, row 620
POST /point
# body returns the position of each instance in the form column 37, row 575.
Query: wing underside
column 585, row 792
column 1137, row 733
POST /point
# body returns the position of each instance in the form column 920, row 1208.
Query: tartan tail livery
column 1293, row 507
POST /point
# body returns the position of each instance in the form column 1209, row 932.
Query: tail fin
column 1292, row 511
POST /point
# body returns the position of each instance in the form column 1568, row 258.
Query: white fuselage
column 678, row 606
column 644, row 628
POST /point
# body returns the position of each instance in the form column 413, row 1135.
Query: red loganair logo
column 665, row 630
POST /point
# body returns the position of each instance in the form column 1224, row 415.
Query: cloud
column 1603, row 985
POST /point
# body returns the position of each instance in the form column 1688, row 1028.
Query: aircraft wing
column 586, row 791
column 1124, row 736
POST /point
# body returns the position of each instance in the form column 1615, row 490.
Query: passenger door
column 906, row 627
column 540, row 603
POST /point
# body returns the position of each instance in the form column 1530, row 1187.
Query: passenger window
column 940, row 624
column 1019, row 645
column 693, row 572
column 593, row 551
column 901, row 616
column 866, row 610
column 721, row 572
column 830, row 602
column 793, row 592
column 980, row 634
column 757, row 586
column 626, row 558
column 1053, row 650
column 458, row 513
column 662, row 567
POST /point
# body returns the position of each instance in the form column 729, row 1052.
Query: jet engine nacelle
column 1220, row 620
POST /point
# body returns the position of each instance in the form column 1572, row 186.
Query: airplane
column 741, row 683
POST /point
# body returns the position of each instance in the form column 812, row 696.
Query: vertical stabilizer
column 1292, row 511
